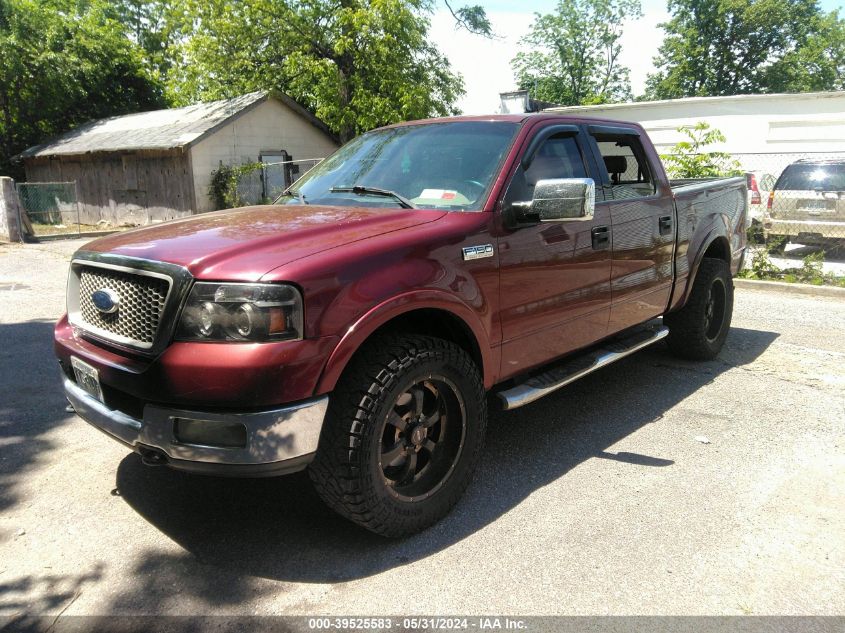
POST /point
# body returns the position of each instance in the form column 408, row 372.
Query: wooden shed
column 156, row 166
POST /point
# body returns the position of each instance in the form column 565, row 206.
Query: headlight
column 241, row 312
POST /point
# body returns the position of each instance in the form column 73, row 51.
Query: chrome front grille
column 148, row 295
column 142, row 301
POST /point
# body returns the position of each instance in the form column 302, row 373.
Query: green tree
column 690, row 158
column 473, row 18
column 818, row 64
column 573, row 55
column 356, row 64
column 61, row 64
column 157, row 27
column 728, row 47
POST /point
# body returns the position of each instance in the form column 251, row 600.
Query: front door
column 554, row 276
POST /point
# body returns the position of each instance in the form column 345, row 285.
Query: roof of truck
column 517, row 118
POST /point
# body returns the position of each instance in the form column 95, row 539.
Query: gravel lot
column 596, row 500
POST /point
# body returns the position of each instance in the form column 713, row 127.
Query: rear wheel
column 403, row 434
column 699, row 329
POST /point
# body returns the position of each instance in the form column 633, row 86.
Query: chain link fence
column 262, row 183
column 49, row 209
column 53, row 209
column 796, row 200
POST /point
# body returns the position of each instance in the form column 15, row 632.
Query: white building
column 764, row 132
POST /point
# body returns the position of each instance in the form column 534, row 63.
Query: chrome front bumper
column 278, row 441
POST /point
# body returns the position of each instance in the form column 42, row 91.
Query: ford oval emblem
column 105, row 300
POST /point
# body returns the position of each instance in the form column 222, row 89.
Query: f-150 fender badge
column 478, row 252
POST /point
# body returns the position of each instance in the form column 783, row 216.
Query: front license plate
column 87, row 377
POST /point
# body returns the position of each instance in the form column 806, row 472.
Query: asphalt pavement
column 652, row 487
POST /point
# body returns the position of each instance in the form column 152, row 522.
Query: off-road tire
column 691, row 334
column 347, row 471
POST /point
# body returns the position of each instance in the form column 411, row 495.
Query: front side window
column 626, row 170
column 450, row 166
column 558, row 157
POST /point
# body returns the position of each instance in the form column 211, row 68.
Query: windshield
column 819, row 177
column 449, row 165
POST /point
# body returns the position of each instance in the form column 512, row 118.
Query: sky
column 485, row 63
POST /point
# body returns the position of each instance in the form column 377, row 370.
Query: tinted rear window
column 813, row 177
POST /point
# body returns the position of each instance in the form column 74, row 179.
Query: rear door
column 642, row 222
column 554, row 276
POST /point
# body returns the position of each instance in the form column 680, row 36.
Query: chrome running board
column 570, row 370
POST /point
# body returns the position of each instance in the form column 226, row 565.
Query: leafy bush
column 688, row 159
column 811, row 270
column 761, row 267
column 224, row 184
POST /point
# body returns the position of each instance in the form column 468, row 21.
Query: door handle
column 601, row 237
column 666, row 225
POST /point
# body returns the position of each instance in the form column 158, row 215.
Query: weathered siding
column 270, row 126
column 133, row 188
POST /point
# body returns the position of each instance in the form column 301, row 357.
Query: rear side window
column 627, row 173
column 810, row 177
column 558, row 157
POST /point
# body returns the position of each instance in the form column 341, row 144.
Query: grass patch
column 810, row 272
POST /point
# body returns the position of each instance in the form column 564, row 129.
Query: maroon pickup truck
column 354, row 327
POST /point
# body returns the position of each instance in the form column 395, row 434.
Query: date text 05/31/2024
column 418, row 623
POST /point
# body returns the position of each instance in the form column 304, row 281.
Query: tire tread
column 336, row 471
column 687, row 337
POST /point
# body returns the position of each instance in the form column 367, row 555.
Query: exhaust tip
column 152, row 457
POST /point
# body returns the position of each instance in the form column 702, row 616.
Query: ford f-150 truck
column 355, row 326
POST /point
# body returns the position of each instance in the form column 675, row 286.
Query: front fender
column 357, row 334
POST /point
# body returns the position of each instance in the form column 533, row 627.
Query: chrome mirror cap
column 560, row 199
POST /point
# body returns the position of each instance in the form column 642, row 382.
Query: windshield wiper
column 292, row 192
column 374, row 191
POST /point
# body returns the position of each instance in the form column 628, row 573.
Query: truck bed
column 703, row 205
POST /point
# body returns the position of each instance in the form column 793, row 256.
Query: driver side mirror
column 558, row 200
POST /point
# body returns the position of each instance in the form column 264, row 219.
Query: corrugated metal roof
column 160, row 129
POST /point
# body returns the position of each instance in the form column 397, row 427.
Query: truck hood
column 244, row 244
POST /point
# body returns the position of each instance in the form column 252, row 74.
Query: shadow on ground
column 279, row 529
column 834, row 254
column 31, row 404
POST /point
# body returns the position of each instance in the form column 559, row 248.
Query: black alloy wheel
column 422, row 438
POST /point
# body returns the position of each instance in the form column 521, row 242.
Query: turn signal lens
column 278, row 322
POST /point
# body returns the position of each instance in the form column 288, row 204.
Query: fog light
column 210, row 433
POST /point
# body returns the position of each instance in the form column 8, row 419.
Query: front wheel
column 402, row 435
column 699, row 329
